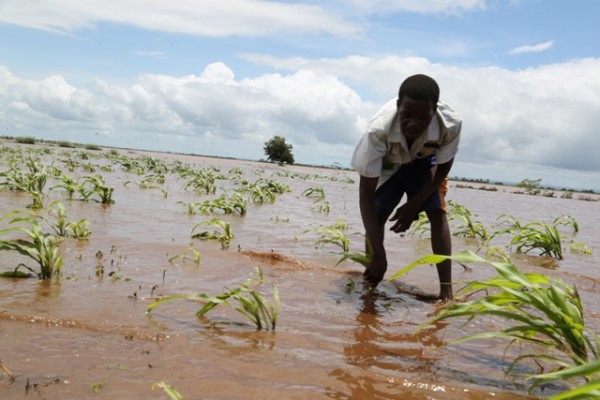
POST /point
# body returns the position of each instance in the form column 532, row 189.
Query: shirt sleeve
column 449, row 147
column 452, row 126
column 368, row 155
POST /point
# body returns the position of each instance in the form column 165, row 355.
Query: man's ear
column 398, row 103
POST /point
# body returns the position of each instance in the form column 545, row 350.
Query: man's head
column 417, row 103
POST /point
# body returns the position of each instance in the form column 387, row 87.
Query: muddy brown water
column 89, row 336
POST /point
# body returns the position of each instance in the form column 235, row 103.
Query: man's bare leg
column 441, row 243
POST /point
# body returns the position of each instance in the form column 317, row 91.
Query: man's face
column 415, row 116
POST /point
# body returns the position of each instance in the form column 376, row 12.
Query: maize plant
column 224, row 235
column 245, row 299
column 228, row 205
column 543, row 315
column 96, row 185
column 41, row 247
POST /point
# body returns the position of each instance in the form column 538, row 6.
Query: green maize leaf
column 430, row 259
column 357, row 257
column 251, row 304
column 464, row 257
column 593, row 344
column 210, row 305
column 15, row 229
column 164, row 300
column 250, row 310
column 511, row 273
column 587, row 391
column 495, row 311
column 16, row 274
column 531, row 336
column 584, row 370
column 492, row 335
column 169, row 390
column 559, row 298
column 213, row 301
column 263, row 308
column 276, row 304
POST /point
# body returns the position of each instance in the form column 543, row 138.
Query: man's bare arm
column 406, row 214
column 367, row 188
column 373, row 228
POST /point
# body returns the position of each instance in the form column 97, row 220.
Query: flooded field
column 88, row 335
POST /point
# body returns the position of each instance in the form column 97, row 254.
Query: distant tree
column 278, row 150
column 532, row 186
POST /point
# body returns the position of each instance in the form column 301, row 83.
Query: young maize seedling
column 467, row 227
column 224, row 235
column 331, row 234
column 361, row 258
column 543, row 313
column 315, row 192
column 228, row 205
column 42, row 248
column 245, row 299
column 321, row 206
column 98, row 186
column 193, row 258
column 62, row 226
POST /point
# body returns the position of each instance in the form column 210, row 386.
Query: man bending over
column 408, row 147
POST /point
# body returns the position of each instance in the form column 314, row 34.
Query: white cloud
column 545, row 116
column 207, row 18
column 217, row 73
column 421, row 6
column 51, row 97
column 532, row 48
column 308, row 108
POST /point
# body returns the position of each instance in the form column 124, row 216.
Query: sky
column 222, row 77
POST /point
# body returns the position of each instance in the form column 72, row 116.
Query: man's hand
column 376, row 270
column 404, row 217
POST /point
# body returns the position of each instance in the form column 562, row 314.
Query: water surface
column 334, row 338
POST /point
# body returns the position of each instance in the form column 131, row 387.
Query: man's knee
column 437, row 217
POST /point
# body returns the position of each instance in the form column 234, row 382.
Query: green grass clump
column 67, row 144
column 25, row 140
column 94, row 147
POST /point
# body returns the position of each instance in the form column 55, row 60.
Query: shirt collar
column 396, row 135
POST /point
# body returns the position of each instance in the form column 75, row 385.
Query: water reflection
column 385, row 356
column 47, row 288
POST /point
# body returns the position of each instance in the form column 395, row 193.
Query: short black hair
column 420, row 87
